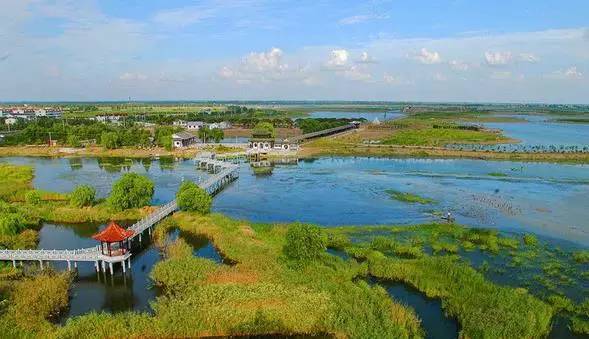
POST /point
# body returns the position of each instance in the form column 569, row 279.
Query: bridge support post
column 124, row 265
column 110, row 266
column 103, row 266
column 149, row 231
column 41, row 264
column 14, row 263
column 69, row 265
column 96, row 266
column 129, row 263
column 139, row 238
column 75, row 264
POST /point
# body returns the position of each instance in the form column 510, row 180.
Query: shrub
column 190, row 197
column 110, row 140
column 33, row 197
column 131, row 191
column 83, row 195
column 581, row 257
column 530, row 240
column 304, row 242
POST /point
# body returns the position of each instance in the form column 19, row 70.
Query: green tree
column 204, row 133
column 304, row 243
column 217, row 134
column 83, row 195
column 264, row 130
column 110, row 140
column 190, row 197
column 33, row 197
column 131, row 191
column 73, row 140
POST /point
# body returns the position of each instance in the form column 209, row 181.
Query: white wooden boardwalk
column 223, row 173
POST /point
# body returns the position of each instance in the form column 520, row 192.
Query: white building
column 194, row 125
column 183, row 139
column 108, row 118
column 220, row 125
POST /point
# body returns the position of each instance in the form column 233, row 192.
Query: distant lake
column 540, row 131
column 370, row 116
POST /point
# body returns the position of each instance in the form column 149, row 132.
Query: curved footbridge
column 222, row 174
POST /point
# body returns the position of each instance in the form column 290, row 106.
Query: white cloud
column 226, row 72
column 365, row 58
column 571, row 73
column 129, row 76
column 428, row 58
column 586, row 34
column 529, row 57
column 458, row 65
column 356, row 19
column 498, row 58
column 390, row 78
column 338, row 58
column 357, row 73
column 270, row 61
column 182, row 16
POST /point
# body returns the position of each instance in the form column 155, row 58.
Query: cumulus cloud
column 270, row 61
column 390, row 78
column 365, row 58
column 130, row 76
column 498, row 58
column 427, row 57
column 458, row 65
column 338, row 58
column 264, row 66
column 357, row 73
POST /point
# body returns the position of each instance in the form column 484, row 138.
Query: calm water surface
column 547, row 199
column 540, row 131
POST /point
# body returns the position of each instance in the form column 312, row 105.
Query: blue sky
column 491, row 51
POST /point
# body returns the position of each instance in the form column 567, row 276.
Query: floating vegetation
column 497, row 174
column 408, row 197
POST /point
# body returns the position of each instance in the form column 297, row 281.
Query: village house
column 115, row 119
column 183, row 139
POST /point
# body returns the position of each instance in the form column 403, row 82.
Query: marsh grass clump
column 408, row 197
column 16, row 180
column 304, row 243
column 483, row 309
column 581, row 257
column 390, row 245
column 530, row 240
column 82, row 196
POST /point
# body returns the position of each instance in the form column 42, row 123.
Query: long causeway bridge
column 222, row 174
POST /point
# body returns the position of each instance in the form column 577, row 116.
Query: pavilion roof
column 113, row 233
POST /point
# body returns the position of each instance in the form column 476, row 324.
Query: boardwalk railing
column 223, row 174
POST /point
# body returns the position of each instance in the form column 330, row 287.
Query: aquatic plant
column 483, row 309
column 408, row 197
column 304, row 243
column 581, row 256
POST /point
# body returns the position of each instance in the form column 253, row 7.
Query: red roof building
column 114, row 236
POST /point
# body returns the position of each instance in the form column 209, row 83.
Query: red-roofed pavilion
column 115, row 237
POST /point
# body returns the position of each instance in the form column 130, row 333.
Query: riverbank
column 97, row 151
column 332, row 147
